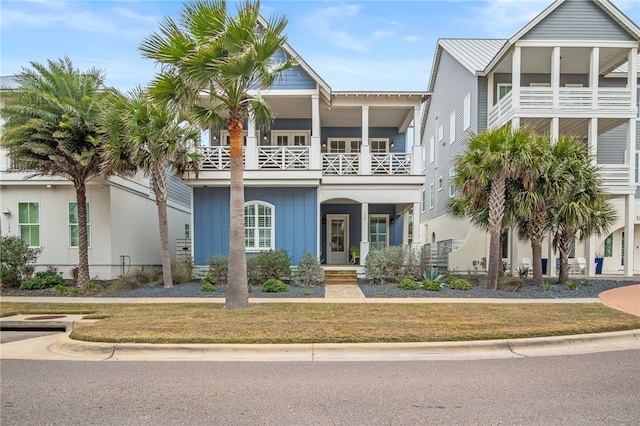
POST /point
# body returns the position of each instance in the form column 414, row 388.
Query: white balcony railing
column 390, row 164
column 569, row 99
column 340, row 164
column 283, row 157
column 614, row 175
column 214, row 157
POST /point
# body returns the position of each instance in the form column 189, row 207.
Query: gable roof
column 605, row 5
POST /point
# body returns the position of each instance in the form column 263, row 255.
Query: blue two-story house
column 335, row 173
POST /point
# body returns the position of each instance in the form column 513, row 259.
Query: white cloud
column 502, row 18
column 411, row 39
column 331, row 23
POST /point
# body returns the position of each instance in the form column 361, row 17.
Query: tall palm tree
column 51, row 125
column 143, row 135
column 583, row 209
column 214, row 66
column 491, row 158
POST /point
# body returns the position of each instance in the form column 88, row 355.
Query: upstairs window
column 503, row 89
column 289, row 138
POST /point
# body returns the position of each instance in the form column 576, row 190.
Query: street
column 600, row 388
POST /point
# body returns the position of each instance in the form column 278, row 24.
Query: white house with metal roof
column 573, row 70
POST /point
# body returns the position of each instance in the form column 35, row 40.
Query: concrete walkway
column 343, row 291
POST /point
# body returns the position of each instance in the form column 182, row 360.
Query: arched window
column 259, row 226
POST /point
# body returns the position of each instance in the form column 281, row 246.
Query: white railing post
column 251, row 151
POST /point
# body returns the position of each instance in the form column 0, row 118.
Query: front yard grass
column 330, row 323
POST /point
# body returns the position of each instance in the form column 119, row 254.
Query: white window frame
column 467, row 111
column 441, row 133
column 452, row 127
column 574, row 85
column 225, row 138
column 424, row 158
column 539, row 84
column 432, row 149
column 256, row 229
column 379, row 141
column 29, row 224
column 440, row 183
column 291, row 135
column 636, row 169
column 71, row 225
column 386, row 220
column 424, row 200
column 432, row 195
column 500, row 86
column 452, row 188
column 348, row 143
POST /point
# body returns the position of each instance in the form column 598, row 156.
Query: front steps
column 340, row 277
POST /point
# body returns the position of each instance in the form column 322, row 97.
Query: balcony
column 615, row 179
column 217, row 158
column 539, row 101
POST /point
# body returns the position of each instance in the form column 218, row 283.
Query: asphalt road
column 567, row 390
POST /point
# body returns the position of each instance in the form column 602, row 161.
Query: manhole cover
column 46, row 317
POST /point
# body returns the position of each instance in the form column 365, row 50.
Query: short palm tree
column 50, row 128
column 143, row 135
column 583, row 209
column 214, row 66
column 491, row 158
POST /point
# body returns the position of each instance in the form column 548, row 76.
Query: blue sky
column 353, row 45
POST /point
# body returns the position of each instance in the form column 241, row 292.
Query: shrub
column 309, row 273
column 547, row 286
column 92, row 287
column 42, row 279
column 433, row 285
column 510, row 284
column 207, row 286
column 460, row 284
column 273, row 285
column 390, row 264
column 219, row 269
column 271, row 264
column 573, row 285
column 16, row 260
column 523, row 271
column 432, row 274
column 408, row 284
column 61, row 288
column 181, row 270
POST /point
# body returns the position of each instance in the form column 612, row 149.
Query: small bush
column 61, row 288
column 547, row 286
column 523, row 271
column 390, row 264
column 510, row 284
column 433, row 285
column 309, row 273
column 207, row 286
column 16, row 260
column 573, row 285
column 460, row 284
column 266, row 265
column 148, row 275
column 92, row 287
column 181, row 270
column 42, row 279
column 273, row 285
column 408, row 284
column 219, row 269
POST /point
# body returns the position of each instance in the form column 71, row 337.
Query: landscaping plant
column 16, row 260
column 309, row 273
column 273, row 285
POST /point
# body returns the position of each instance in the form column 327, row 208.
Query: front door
column 337, row 239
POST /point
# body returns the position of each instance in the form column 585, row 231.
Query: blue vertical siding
column 295, row 220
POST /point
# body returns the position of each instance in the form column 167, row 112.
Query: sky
column 352, row 45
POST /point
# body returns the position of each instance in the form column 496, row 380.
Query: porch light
column 265, row 137
column 6, row 212
column 215, row 137
column 393, row 145
column 324, row 144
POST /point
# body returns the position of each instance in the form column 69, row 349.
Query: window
column 378, row 146
column 410, row 228
column 424, row 201
column 452, row 127
column 432, row 196
column 432, row 149
column 378, row 231
column 467, row 111
column 258, row 226
column 452, row 183
column 289, row 138
column 344, row 146
column 503, row 89
column 440, row 183
column 424, row 158
column 225, row 138
column 608, row 246
column 187, row 231
column 74, row 228
column 440, row 133
column 635, row 170
column 29, row 223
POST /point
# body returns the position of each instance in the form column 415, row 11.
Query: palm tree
column 583, row 209
column 143, row 135
column 51, row 125
column 491, row 158
column 214, row 66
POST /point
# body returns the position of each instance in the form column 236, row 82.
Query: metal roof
column 624, row 68
column 474, row 54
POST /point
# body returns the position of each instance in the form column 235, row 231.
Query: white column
column 628, row 234
column 592, row 137
column 515, row 123
column 315, row 153
column 365, row 150
column 551, row 263
column 417, row 238
column 555, row 76
column 632, row 82
column 555, row 129
column 490, row 88
column 251, row 150
column 364, row 231
column 594, row 72
column 416, row 151
column 515, row 77
column 631, row 149
column 590, row 256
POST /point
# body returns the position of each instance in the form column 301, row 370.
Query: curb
column 504, row 348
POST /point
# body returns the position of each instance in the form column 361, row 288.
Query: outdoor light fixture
column 393, row 145
column 324, row 144
column 215, row 137
column 265, row 137
column 6, row 212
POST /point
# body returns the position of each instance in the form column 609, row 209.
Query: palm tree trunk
column 160, row 190
column 83, row 246
column 237, row 290
column 496, row 213
column 564, row 248
column 536, row 234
